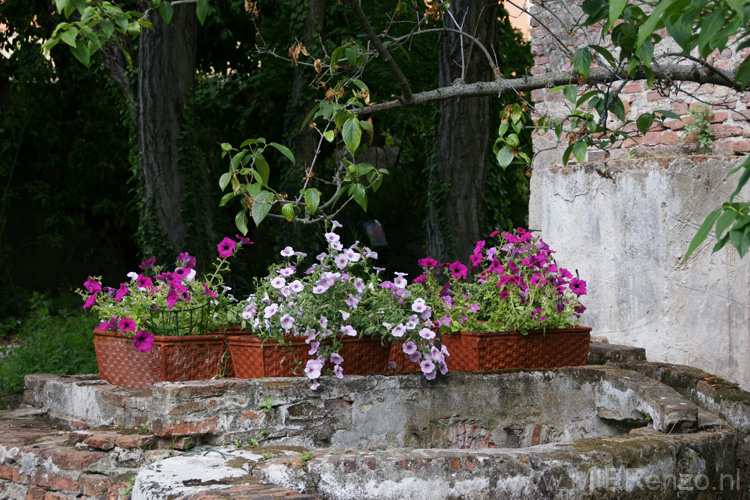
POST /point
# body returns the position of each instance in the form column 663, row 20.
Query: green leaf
column 360, row 84
column 201, row 10
column 709, row 27
column 224, row 180
column 287, row 211
column 60, row 5
column 505, row 157
column 668, row 114
column 645, row 52
column 648, row 27
column 604, row 52
column 743, row 179
column 503, row 128
column 579, row 151
column 360, row 195
column 262, row 170
column 50, row 43
column 571, row 93
column 724, row 221
column 335, row 58
column 703, row 231
column 166, row 11
column 351, row 56
column 585, row 97
column 262, row 206
column 582, row 62
column 328, row 135
column 240, row 220
column 365, row 126
column 69, row 36
column 644, row 122
column 108, row 28
column 615, row 9
column 312, row 199
column 283, row 150
column 81, row 52
column 225, row 199
column 566, row 154
column 352, row 134
column 121, row 22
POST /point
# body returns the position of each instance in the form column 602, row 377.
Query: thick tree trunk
column 455, row 214
column 166, row 79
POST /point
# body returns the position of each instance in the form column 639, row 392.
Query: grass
column 61, row 343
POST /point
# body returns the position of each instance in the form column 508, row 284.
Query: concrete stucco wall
column 625, row 225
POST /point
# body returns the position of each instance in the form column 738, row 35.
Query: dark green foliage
column 61, row 343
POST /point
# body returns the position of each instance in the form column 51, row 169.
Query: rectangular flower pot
column 171, row 359
column 252, row 358
column 555, row 348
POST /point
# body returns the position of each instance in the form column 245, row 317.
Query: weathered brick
column 722, row 130
column 537, row 95
column 7, row 472
column 454, row 463
column 101, row 441
column 680, row 108
column 741, row 116
column 470, row 462
column 652, row 138
column 538, row 70
column 35, row 493
column 718, row 117
column 634, row 87
column 71, row 459
column 206, row 426
column 135, row 441
column 94, row 485
column 674, row 124
column 742, row 146
column 653, row 95
column 670, row 138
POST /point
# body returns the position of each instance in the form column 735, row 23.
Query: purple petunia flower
column 278, row 282
column 127, row 325
column 336, row 359
column 420, row 279
column 287, row 322
column 143, row 281
column 92, row 286
column 172, row 297
column 226, row 248
column 426, row 365
column 349, row 330
column 148, row 263
column 121, row 292
column 242, row 240
column 399, row 331
column 409, row 348
column 143, row 341
column 458, row 270
column 91, row 300
column 427, row 334
column 207, row 291
column 313, row 368
column 338, row 371
column 475, row 259
column 427, row 262
column 186, row 260
column 577, row 286
column 287, row 252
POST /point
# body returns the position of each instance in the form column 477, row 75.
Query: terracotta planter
column 226, row 369
column 476, row 351
column 171, row 359
column 253, row 358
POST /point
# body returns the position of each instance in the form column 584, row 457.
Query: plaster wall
column 625, row 217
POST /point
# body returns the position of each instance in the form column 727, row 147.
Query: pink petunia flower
column 226, row 248
column 143, row 341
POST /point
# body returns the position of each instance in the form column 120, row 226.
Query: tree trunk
column 455, row 211
column 166, row 80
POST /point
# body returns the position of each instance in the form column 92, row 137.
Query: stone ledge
column 602, row 353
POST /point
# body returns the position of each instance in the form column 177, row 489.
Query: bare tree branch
column 692, row 73
column 406, row 94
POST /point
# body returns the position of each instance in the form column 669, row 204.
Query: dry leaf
column 304, row 50
column 294, row 51
column 318, row 65
column 365, row 95
column 252, row 8
column 372, row 128
column 433, row 9
column 330, row 95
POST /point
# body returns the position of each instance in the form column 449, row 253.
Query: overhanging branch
column 674, row 72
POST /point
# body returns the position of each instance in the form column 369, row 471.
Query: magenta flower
column 109, row 325
column 420, row 279
column 577, row 286
column 579, row 309
column 186, row 260
column 207, row 291
column 242, row 240
column 91, row 300
column 427, row 262
column 226, row 248
column 92, row 286
column 143, row 341
column 537, row 314
column 127, row 325
column 458, row 270
column 475, row 259
column 504, row 293
column 172, row 297
column 495, row 233
column 121, row 292
column 143, row 281
column 148, row 263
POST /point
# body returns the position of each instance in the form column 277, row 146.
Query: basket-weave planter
column 252, row 358
column 171, row 359
column 227, row 365
column 555, row 348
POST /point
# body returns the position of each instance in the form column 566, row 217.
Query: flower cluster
column 160, row 302
column 341, row 295
column 516, row 285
